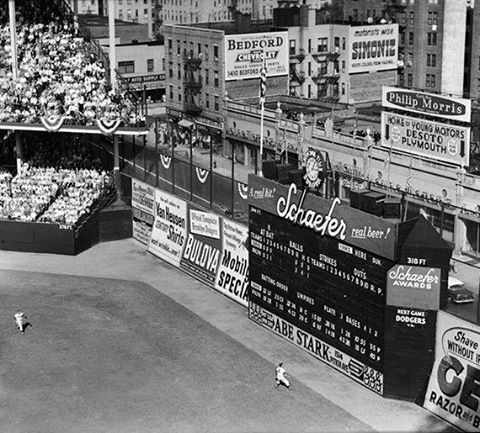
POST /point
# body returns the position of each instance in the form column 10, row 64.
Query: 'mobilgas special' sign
column 430, row 104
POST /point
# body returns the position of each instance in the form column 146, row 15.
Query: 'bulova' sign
column 427, row 103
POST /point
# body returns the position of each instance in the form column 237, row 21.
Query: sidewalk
column 128, row 260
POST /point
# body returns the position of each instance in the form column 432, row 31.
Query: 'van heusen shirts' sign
column 328, row 218
column 427, row 103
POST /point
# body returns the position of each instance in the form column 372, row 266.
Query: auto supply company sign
column 373, row 48
column 429, row 104
column 244, row 55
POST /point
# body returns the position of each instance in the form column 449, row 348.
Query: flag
column 284, row 145
column 408, row 180
column 386, row 164
column 263, row 82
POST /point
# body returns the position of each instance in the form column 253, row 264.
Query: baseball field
column 107, row 355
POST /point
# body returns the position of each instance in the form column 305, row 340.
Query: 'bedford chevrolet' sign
column 429, row 104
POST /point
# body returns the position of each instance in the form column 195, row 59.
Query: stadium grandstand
column 55, row 78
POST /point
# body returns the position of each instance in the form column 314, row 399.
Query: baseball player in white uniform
column 20, row 319
column 280, row 376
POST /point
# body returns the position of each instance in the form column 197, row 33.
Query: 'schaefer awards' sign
column 373, row 48
column 244, row 55
column 453, row 391
column 439, row 141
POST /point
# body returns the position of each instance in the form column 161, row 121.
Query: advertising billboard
column 435, row 140
column 143, row 200
column 325, row 217
column 201, row 255
column 414, row 286
column 373, row 48
column 429, row 104
column 453, row 391
column 232, row 276
column 244, row 54
column 169, row 232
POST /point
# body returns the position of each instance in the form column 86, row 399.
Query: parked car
column 457, row 293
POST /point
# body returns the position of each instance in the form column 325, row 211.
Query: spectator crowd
column 50, row 195
column 58, row 76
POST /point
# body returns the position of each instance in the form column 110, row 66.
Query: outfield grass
column 114, row 356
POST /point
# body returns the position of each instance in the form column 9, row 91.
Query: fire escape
column 328, row 73
column 192, row 84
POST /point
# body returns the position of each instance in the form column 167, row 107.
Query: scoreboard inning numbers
column 322, row 294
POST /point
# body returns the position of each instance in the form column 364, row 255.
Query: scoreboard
column 323, row 294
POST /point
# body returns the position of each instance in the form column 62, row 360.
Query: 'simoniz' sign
column 373, row 48
column 453, row 391
column 436, row 140
column 446, row 107
column 245, row 53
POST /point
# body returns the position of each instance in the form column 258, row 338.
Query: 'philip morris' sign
column 427, row 103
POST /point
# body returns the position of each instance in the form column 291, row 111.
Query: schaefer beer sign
column 430, row 104
column 244, row 55
column 435, row 140
column 453, row 391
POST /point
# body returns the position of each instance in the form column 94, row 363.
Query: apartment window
column 215, row 78
column 432, row 39
column 410, row 38
column 216, row 107
column 430, row 80
column 322, row 68
column 409, row 80
column 206, row 77
column 120, row 15
column 322, row 45
column 291, row 44
column 150, row 65
column 170, row 46
column 409, row 59
column 402, row 80
column 206, row 52
column 215, row 53
column 343, row 88
column 170, row 93
column 178, row 47
column 344, row 43
column 403, row 18
column 337, row 42
column 207, row 100
column 309, row 45
column 402, row 38
column 343, row 66
column 478, row 86
column 170, row 70
column 127, row 67
column 412, row 17
column 431, row 60
column 309, row 91
column 199, row 49
column 179, row 71
column 179, row 94
column 432, row 18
